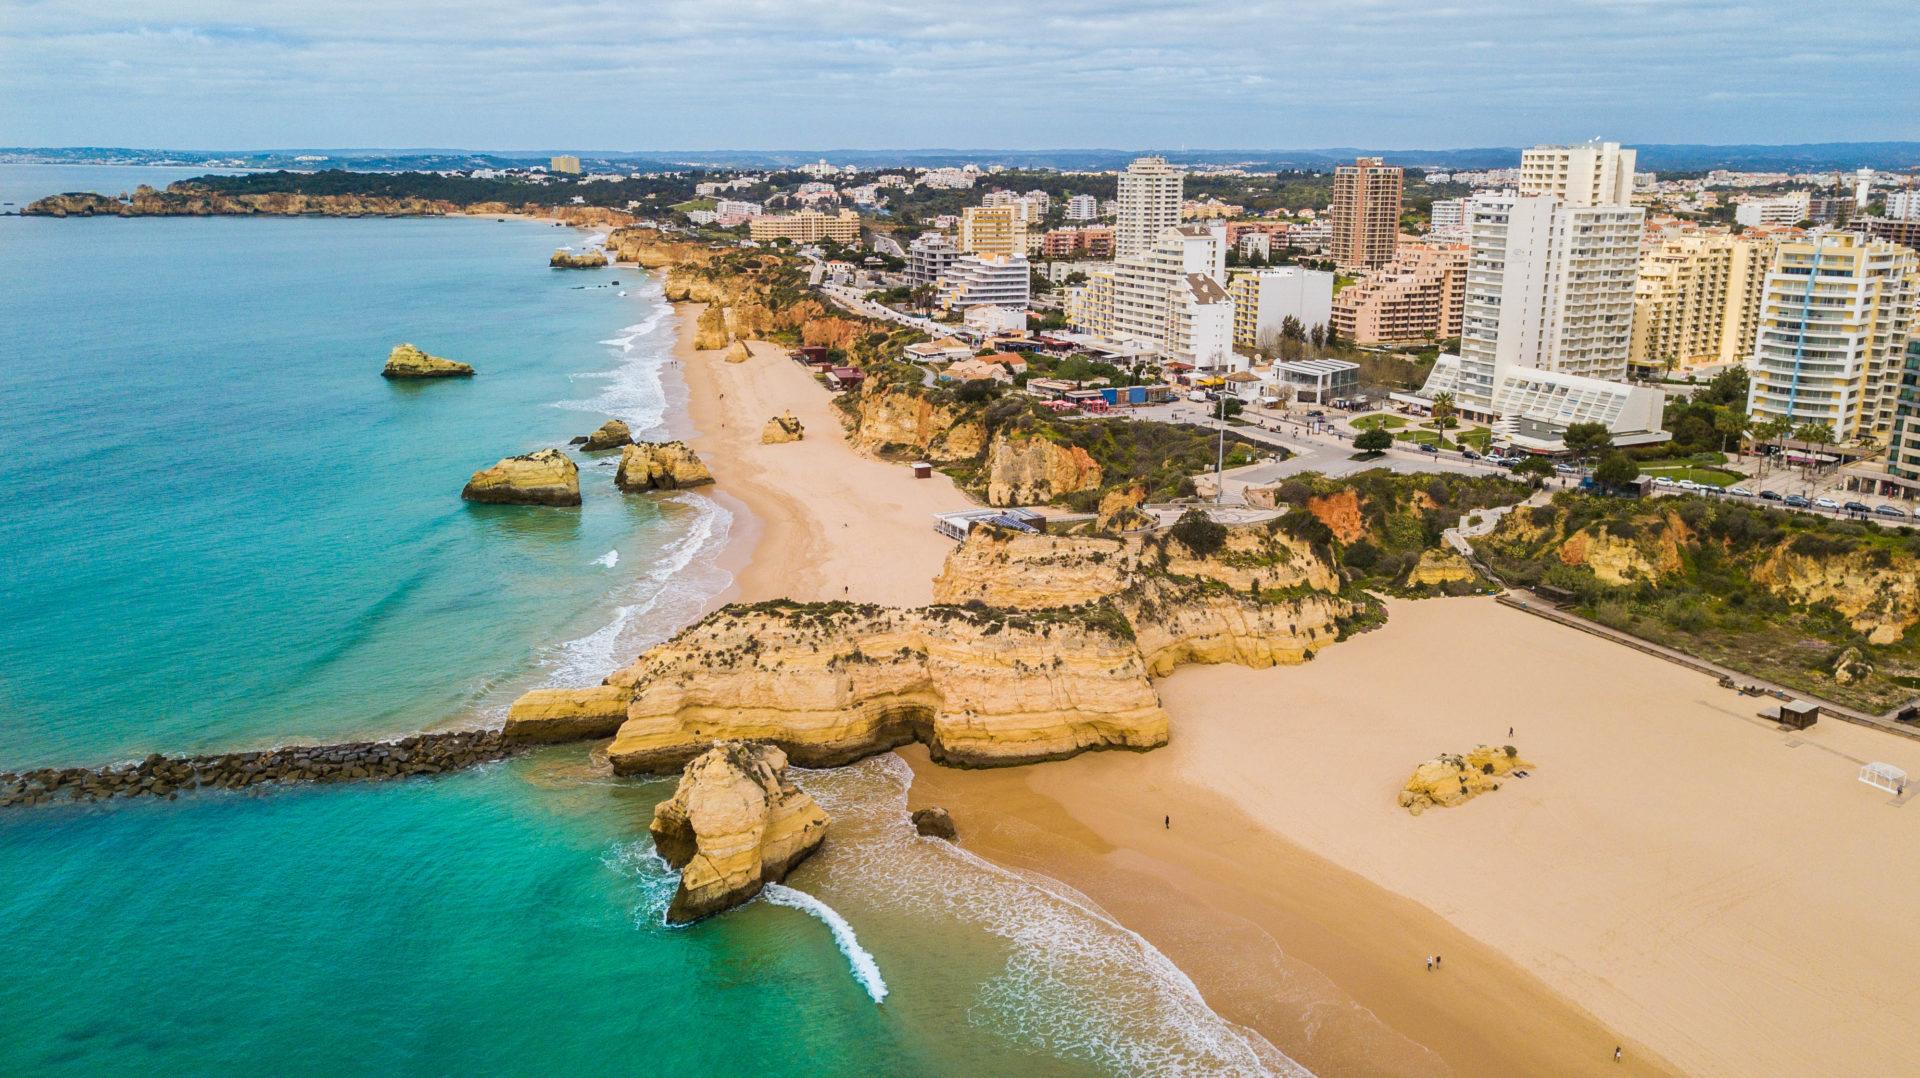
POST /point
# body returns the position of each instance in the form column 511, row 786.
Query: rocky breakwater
column 406, row 361
column 782, row 428
column 1448, row 780
column 734, row 825
column 830, row 683
column 548, row 477
column 577, row 260
column 169, row 776
column 1035, row 471
column 660, row 466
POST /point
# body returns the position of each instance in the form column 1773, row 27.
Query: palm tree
column 1730, row 424
column 1443, row 409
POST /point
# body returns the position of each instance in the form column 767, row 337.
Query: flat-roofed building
column 994, row 280
column 1365, row 218
column 1418, row 296
column 994, row 230
column 1697, row 300
column 807, row 226
column 1149, row 204
column 1168, row 299
column 929, row 257
column 1263, row 299
column 566, row 163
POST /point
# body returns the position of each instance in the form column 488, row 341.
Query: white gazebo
column 1886, row 776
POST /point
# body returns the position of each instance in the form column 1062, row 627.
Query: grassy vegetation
column 1695, row 581
column 1398, row 518
column 1389, row 422
column 1717, row 477
column 695, row 204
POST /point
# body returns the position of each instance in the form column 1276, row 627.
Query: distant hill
column 1820, row 156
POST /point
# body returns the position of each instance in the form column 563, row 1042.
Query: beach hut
column 922, row 469
column 1798, row 714
column 1885, row 776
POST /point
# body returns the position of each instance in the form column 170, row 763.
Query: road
column 854, row 299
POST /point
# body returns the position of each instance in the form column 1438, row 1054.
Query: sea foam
column 865, row 969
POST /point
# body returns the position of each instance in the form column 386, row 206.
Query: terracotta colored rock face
column 734, row 825
column 782, row 428
column 548, row 477
column 406, row 361
column 660, row 466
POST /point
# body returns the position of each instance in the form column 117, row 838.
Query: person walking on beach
column 1429, row 963
column 1436, row 961
column 1616, row 1053
column 1169, row 823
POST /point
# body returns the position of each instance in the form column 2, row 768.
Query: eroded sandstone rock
column 549, row 715
column 660, row 466
column 1448, row 780
column 406, row 361
column 577, row 260
column 548, row 477
column 612, row 435
column 737, row 352
column 1036, row 471
column 935, row 822
column 782, row 428
column 734, row 825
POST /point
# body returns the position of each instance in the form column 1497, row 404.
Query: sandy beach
column 1676, row 877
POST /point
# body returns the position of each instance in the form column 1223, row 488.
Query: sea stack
column 734, row 825
column 570, row 260
column 548, row 477
column 782, row 428
column 406, row 361
column 737, row 352
column 660, row 466
column 612, row 435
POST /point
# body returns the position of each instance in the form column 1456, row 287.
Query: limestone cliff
column 734, row 825
column 903, row 418
column 1448, row 780
column 551, row 715
column 548, row 477
column 710, row 331
column 612, row 434
column 1441, row 567
column 189, row 199
column 1035, row 471
column 782, row 428
column 660, row 466
column 832, row 682
column 1882, row 601
column 577, row 260
column 406, row 361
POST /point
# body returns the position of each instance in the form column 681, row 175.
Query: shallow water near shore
column 228, row 531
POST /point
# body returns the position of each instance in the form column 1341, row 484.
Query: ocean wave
column 1076, row 983
column 865, row 969
column 633, row 391
column 610, row 559
column 684, row 576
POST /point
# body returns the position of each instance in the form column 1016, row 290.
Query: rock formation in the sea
column 612, row 435
column 833, row 682
column 737, row 352
column 547, row 477
column 577, row 260
column 936, row 822
column 406, row 361
column 782, row 428
column 550, row 715
column 1448, row 780
column 1035, row 471
column 734, row 825
column 660, row 466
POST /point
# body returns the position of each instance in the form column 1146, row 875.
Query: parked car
column 1565, row 469
column 1317, row 414
column 1890, row 510
column 1769, row 495
column 1741, row 491
column 1687, row 484
column 1857, row 507
column 1469, row 454
column 1662, row 481
column 1799, row 501
column 1429, row 447
column 1826, row 503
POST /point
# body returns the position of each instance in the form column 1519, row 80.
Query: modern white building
column 1533, row 408
column 1168, row 299
column 1448, row 219
column 929, row 258
column 1903, row 205
column 1835, row 317
column 1550, row 287
column 1584, row 174
column 1149, row 204
column 1083, row 208
column 1788, row 209
column 1263, row 299
column 994, row 280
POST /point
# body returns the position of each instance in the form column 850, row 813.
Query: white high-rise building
column 1168, row 298
column 1149, row 204
column 1083, row 208
column 1903, row 205
column 995, row 280
column 1550, row 286
column 1788, row 209
column 1585, row 174
column 1448, row 218
column 929, row 258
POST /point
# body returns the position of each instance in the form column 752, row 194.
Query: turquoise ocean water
column 224, row 529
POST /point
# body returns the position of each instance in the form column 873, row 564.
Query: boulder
column 734, row 825
column 660, row 466
column 570, row 260
column 406, row 361
column 782, row 428
column 1851, row 666
column 612, row 435
column 737, row 352
column 936, row 822
column 1448, row 780
column 548, row 477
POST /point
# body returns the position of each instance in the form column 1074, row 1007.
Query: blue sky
column 768, row 74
